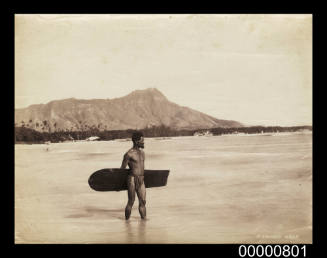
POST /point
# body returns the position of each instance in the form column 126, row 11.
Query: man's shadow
column 98, row 212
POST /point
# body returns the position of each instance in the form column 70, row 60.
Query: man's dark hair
column 137, row 136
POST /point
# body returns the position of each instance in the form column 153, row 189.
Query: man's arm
column 125, row 161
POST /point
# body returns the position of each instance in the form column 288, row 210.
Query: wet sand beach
column 221, row 189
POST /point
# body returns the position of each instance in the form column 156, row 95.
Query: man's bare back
column 134, row 158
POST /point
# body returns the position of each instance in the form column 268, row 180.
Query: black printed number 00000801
column 271, row 251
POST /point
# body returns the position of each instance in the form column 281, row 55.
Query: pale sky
column 255, row 69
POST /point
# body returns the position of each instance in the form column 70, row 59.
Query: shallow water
column 221, row 189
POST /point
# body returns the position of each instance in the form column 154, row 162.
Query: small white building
column 206, row 133
column 93, row 138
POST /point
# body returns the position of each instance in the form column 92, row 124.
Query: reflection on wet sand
column 135, row 231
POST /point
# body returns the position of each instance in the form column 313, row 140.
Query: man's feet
column 127, row 213
column 142, row 211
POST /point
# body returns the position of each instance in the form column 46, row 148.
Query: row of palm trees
column 47, row 126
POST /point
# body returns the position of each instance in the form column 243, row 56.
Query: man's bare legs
column 131, row 196
column 141, row 194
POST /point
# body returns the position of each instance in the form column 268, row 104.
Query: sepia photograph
column 163, row 129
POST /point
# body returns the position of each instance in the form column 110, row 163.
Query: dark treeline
column 258, row 129
column 27, row 135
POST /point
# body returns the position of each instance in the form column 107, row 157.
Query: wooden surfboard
column 114, row 179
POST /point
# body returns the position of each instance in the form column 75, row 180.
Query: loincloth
column 138, row 181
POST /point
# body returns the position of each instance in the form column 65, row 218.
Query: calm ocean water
column 221, row 189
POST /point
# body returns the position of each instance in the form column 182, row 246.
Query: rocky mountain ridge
column 137, row 110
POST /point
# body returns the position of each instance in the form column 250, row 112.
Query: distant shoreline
column 123, row 136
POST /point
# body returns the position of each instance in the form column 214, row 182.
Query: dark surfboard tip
column 114, row 179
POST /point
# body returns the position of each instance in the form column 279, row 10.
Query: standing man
column 134, row 158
